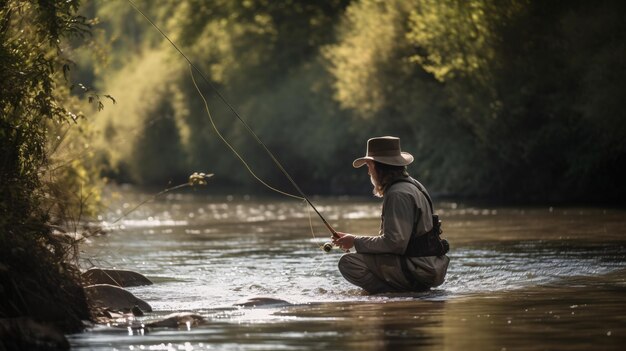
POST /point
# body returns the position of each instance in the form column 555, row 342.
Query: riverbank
column 41, row 296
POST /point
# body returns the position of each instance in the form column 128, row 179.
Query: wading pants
column 377, row 273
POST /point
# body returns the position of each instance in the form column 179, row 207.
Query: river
column 540, row 278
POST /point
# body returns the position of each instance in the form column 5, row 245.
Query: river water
column 543, row 278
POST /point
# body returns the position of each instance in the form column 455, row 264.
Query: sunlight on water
column 266, row 248
column 209, row 255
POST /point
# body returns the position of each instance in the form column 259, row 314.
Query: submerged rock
column 119, row 277
column 262, row 302
column 114, row 298
column 176, row 320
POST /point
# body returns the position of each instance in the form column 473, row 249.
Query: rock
column 117, row 277
column 262, row 302
column 114, row 298
column 26, row 334
column 116, row 319
column 176, row 320
column 136, row 311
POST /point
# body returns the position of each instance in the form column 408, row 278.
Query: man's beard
column 377, row 191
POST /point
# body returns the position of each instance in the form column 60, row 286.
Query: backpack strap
column 419, row 187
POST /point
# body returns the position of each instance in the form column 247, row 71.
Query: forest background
column 512, row 101
column 502, row 100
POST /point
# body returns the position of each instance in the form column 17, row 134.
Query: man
column 408, row 254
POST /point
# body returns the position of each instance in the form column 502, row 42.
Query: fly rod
column 326, row 246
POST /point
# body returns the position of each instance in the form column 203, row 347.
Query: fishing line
column 319, row 265
column 250, row 131
column 208, row 111
column 194, row 179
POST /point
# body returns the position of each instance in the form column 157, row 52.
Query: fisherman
column 408, row 254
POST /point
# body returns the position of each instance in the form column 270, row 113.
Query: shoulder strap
column 423, row 191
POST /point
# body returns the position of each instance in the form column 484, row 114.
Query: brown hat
column 384, row 150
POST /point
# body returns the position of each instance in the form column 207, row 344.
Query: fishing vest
column 429, row 243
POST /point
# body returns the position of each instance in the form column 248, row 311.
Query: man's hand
column 344, row 241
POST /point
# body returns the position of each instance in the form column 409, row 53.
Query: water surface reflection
column 532, row 278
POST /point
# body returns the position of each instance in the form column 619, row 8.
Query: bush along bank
column 41, row 297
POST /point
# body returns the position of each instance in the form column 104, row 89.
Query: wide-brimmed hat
column 385, row 150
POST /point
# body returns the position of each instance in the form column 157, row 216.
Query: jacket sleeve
column 398, row 217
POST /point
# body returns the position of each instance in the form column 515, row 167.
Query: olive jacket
column 402, row 202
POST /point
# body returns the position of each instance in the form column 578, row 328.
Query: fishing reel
column 327, row 247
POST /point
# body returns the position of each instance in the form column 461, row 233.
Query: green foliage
column 147, row 113
column 155, row 162
column 36, row 267
column 71, row 183
column 506, row 100
column 369, row 55
column 597, row 42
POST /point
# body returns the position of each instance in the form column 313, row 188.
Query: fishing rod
column 194, row 180
column 327, row 246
